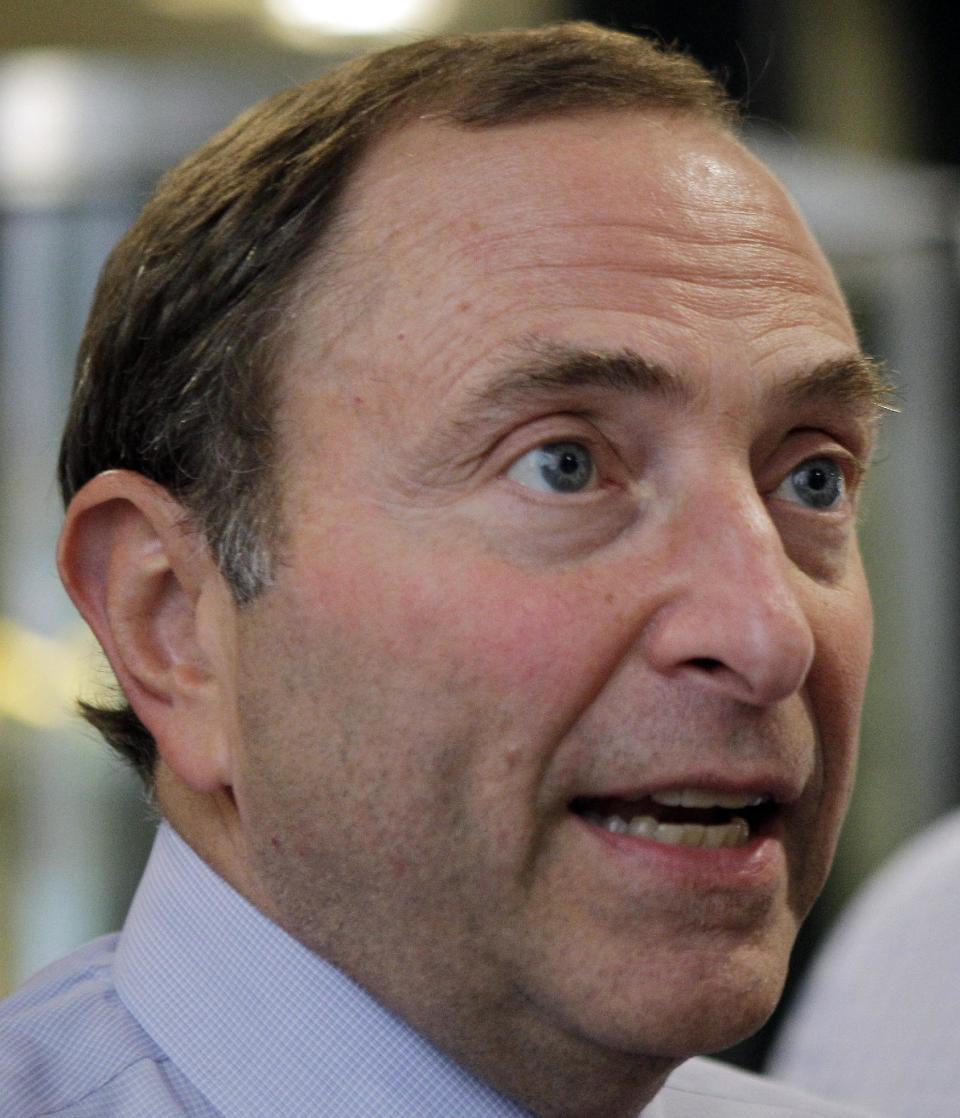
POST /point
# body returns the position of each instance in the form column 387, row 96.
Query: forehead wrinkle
column 749, row 264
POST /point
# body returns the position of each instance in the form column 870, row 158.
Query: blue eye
column 817, row 483
column 555, row 468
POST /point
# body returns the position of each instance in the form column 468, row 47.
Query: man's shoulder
column 703, row 1088
column 66, row 1035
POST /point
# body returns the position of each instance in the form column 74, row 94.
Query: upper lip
column 777, row 787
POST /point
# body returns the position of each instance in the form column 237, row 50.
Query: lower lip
column 759, row 862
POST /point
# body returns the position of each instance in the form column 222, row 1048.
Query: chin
column 715, row 1027
column 695, row 1007
column 709, row 1013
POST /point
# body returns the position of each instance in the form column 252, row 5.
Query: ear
column 145, row 581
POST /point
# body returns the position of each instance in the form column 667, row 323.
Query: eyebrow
column 856, row 379
column 547, row 368
column 544, row 368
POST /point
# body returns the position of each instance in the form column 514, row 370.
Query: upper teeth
column 700, row 797
column 736, row 832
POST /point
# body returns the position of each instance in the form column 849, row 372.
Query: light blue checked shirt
column 203, row 1008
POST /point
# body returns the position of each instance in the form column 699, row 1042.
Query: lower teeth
column 734, row 833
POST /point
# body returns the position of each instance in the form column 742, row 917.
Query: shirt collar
column 259, row 1024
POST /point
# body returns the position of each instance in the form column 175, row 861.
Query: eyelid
column 852, row 448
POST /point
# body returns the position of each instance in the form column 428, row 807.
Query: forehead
column 652, row 232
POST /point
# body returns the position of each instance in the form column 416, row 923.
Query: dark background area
column 779, row 56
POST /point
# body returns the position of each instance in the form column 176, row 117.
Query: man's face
column 569, row 463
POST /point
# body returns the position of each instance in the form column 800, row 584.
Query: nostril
column 705, row 663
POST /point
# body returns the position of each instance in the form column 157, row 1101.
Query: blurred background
column 856, row 105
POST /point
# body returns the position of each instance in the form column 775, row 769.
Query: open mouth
column 682, row 816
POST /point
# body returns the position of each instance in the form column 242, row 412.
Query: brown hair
column 174, row 376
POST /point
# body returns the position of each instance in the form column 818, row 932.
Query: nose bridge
column 734, row 616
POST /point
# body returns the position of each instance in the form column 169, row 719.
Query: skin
column 381, row 752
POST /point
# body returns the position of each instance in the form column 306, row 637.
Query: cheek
column 464, row 622
column 845, row 658
column 837, row 684
column 433, row 682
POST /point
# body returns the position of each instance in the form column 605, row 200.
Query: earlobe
column 145, row 582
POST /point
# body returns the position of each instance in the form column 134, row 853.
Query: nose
column 732, row 618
